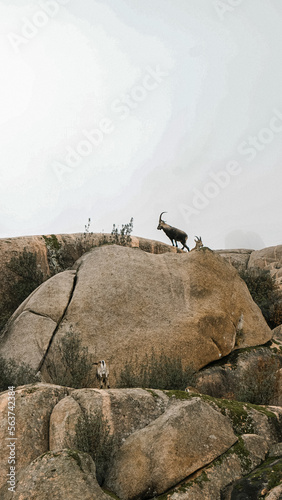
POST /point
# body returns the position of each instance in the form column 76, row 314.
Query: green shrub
column 5, row 314
column 265, row 293
column 156, row 372
column 12, row 373
column 54, row 254
column 257, row 381
column 217, row 382
column 87, row 228
column 70, row 363
column 94, row 437
column 63, row 256
column 26, row 278
column 28, row 275
column 122, row 237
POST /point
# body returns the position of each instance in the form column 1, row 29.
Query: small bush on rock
column 27, row 277
column 265, row 293
column 94, row 437
column 12, row 373
column 63, row 256
column 156, row 371
column 218, row 383
column 257, row 381
column 123, row 236
column 70, row 363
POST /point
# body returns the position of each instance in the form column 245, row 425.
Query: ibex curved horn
column 173, row 233
column 161, row 216
column 197, row 238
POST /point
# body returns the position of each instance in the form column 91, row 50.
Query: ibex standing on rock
column 173, row 233
column 102, row 374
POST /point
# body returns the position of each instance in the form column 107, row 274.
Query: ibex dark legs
column 173, row 233
column 183, row 245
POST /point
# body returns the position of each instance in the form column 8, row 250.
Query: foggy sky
column 112, row 109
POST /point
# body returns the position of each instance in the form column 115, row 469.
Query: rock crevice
column 59, row 323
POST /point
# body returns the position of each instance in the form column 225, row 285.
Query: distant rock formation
column 269, row 259
column 237, row 258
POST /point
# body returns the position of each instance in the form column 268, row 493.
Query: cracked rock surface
column 187, row 305
column 169, row 449
column 33, row 324
column 160, row 439
column 63, row 474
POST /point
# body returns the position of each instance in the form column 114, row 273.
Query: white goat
column 102, row 374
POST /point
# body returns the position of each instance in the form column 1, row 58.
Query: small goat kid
column 173, row 233
column 102, row 374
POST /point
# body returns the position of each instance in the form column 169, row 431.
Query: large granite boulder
column 124, row 410
column 33, row 407
column 186, row 437
column 60, row 475
column 159, row 438
column 36, row 319
column 125, row 302
column 58, row 252
column 214, row 481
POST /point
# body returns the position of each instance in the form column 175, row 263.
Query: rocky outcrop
column 187, row 305
column 237, row 258
column 125, row 410
column 63, row 424
column 37, row 319
column 215, row 481
column 269, row 259
column 277, row 335
column 186, row 437
column 125, row 300
column 60, row 475
column 53, row 254
column 56, row 253
column 252, row 374
column 264, row 482
column 161, row 438
column 257, row 428
column 33, row 407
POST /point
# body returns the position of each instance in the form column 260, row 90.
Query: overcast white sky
column 112, row 109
